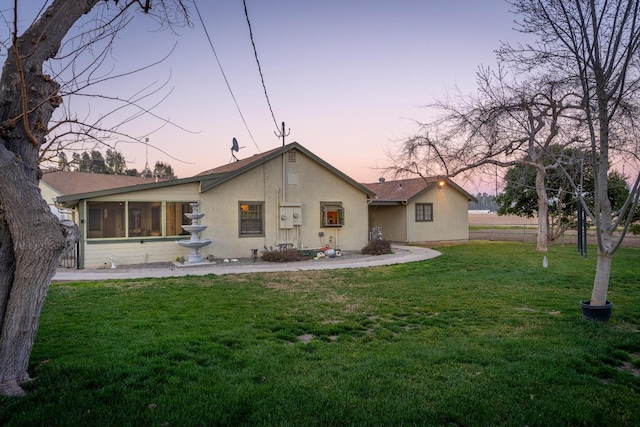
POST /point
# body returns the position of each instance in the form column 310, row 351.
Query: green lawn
column 480, row 336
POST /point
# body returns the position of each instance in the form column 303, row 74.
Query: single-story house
column 420, row 210
column 286, row 197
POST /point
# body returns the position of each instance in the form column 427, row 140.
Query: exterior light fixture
column 441, row 184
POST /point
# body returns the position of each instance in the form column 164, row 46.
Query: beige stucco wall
column 49, row 194
column 450, row 218
column 306, row 183
column 221, row 209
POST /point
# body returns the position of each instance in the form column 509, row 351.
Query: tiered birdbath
column 194, row 243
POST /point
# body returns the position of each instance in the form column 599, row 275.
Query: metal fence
column 70, row 257
column 509, row 232
column 526, row 233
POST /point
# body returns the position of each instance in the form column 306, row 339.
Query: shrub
column 286, row 255
column 634, row 228
column 377, row 247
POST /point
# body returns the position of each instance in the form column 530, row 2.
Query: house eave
column 375, row 202
column 70, row 200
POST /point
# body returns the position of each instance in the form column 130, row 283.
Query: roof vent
column 381, row 180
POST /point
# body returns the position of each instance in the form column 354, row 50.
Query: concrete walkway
column 402, row 254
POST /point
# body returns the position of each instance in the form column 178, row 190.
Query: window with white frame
column 424, row 212
column 332, row 214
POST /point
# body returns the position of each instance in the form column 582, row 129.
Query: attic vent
column 292, row 156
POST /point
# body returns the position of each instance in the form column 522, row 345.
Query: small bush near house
column 286, row 255
column 634, row 229
column 377, row 247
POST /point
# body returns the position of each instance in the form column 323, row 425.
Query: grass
column 479, row 336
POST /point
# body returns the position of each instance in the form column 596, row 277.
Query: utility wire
column 255, row 52
column 224, row 75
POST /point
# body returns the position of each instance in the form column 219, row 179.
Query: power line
column 224, row 75
column 255, row 52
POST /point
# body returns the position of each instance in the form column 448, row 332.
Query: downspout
column 284, row 166
column 284, row 193
column 83, row 218
column 277, row 218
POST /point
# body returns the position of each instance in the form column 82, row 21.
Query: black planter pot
column 600, row 313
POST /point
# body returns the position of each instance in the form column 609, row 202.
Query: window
column 106, row 219
column 143, row 219
column 135, row 222
column 95, row 219
column 155, row 219
column 424, row 212
column 251, row 219
column 332, row 214
column 176, row 218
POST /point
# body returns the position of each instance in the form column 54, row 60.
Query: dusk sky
column 349, row 77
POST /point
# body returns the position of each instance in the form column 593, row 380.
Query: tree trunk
column 601, row 280
column 32, row 238
column 6, row 263
column 543, row 210
column 605, row 252
column 38, row 245
column 603, row 210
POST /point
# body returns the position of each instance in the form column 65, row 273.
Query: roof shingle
column 65, row 182
column 402, row 189
column 234, row 166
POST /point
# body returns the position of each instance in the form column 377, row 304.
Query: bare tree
column 591, row 48
column 595, row 43
column 94, row 115
column 31, row 238
column 504, row 125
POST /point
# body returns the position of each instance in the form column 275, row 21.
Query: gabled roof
column 403, row 191
column 66, row 182
column 215, row 177
column 243, row 163
column 207, row 179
